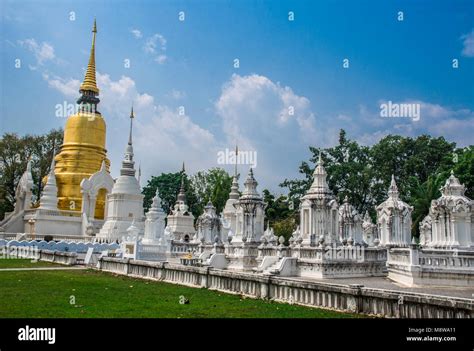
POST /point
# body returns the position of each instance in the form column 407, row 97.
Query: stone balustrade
column 178, row 248
column 414, row 266
column 65, row 258
column 349, row 298
column 56, row 237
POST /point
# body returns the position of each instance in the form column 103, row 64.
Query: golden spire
column 90, row 83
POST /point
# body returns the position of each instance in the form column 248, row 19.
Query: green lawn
column 24, row 263
column 97, row 294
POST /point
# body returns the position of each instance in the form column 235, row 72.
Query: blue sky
column 283, row 64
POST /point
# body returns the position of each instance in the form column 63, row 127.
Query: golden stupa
column 83, row 148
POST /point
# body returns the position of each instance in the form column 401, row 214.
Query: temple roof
column 89, row 83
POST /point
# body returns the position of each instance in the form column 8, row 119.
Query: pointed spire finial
column 236, row 154
column 89, row 83
column 320, row 159
column 132, row 116
column 53, row 163
column 181, row 190
column 393, row 189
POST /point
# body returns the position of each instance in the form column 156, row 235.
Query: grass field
column 88, row 293
column 24, row 263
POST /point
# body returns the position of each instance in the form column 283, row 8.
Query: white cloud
column 435, row 119
column 136, row 33
column 263, row 116
column 163, row 138
column 176, row 94
column 254, row 107
column 161, row 59
column 468, row 44
column 156, row 46
column 155, row 43
column 43, row 52
column 68, row 87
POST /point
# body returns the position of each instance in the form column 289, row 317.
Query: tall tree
column 212, row 185
column 422, row 195
column 15, row 151
column 277, row 209
column 168, row 185
column 364, row 173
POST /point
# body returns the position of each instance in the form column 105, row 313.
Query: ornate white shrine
column 155, row 222
column 394, row 219
column 181, row 220
column 445, row 254
column 209, row 226
column 124, row 204
column 319, row 210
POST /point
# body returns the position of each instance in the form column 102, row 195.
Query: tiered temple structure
column 369, row 231
column 250, row 213
column 125, row 202
column 181, row 220
column 445, row 254
column 241, row 251
column 73, row 201
column 450, row 219
column 350, row 224
column 229, row 214
column 394, row 219
column 84, row 136
column 332, row 241
column 49, row 197
column 155, row 222
column 209, row 226
column 319, row 210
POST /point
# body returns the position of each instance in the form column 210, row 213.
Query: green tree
column 168, row 185
column 277, row 209
column 422, row 196
column 285, row 228
column 212, row 185
column 364, row 173
column 464, row 168
column 15, row 151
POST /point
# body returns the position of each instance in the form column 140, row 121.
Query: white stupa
column 125, row 202
column 250, row 213
column 319, row 216
column 181, row 220
column 229, row 214
column 49, row 198
column 155, row 222
column 394, row 219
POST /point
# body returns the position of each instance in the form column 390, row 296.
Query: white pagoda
column 394, row 219
column 181, row 220
column 125, row 202
column 319, row 210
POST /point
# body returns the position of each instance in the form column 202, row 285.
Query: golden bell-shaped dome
column 83, row 148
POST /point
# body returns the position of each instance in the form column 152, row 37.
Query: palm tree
column 421, row 198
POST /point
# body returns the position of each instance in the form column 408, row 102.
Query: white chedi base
column 122, row 210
